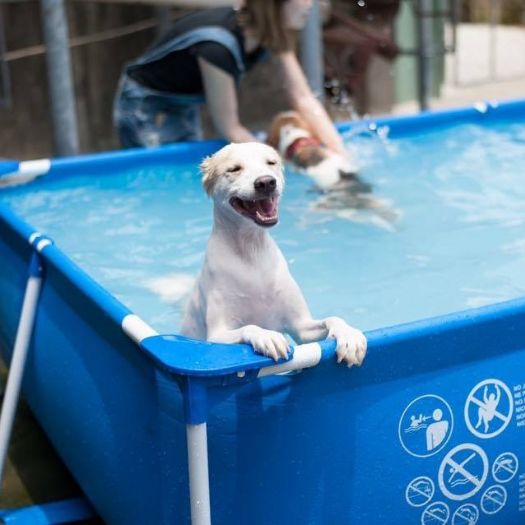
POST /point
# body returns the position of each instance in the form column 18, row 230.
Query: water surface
column 459, row 241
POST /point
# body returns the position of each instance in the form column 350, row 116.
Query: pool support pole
column 311, row 51
column 197, row 439
column 196, row 429
column 18, row 359
column 60, row 78
column 196, row 405
column 425, row 53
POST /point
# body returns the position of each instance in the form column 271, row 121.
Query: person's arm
column 193, row 4
column 221, row 99
column 304, row 102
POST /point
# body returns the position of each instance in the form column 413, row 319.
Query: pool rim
column 178, row 355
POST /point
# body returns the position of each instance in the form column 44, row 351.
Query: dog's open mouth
column 262, row 211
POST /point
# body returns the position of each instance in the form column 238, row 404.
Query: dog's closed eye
column 234, row 169
column 271, row 162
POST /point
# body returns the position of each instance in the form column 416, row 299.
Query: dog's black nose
column 265, row 184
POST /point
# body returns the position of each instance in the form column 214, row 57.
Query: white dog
column 245, row 292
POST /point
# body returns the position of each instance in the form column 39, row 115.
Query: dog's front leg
column 266, row 342
column 351, row 343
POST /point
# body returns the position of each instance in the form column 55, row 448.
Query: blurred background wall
column 475, row 49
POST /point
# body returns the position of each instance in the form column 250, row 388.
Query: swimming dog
column 245, row 292
column 342, row 191
column 290, row 135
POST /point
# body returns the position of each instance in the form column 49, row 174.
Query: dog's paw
column 351, row 343
column 267, row 342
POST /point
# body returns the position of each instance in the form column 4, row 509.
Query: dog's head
column 286, row 128
column 245, row 180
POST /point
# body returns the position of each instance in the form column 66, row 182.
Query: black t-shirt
column 178, row 72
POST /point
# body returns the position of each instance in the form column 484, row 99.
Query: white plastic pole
column 198, row 470
column 304, row 356
column 18, row 360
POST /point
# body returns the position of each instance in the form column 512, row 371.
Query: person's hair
column 265, row 18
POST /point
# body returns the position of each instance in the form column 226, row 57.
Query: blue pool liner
column 327, row 445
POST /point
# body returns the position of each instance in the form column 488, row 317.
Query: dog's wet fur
column 245, row 292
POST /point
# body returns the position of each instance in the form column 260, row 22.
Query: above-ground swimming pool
column 430, row 430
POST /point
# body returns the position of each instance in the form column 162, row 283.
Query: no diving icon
column 488, row 409
column 463, row 471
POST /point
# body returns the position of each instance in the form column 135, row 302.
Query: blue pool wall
column 80, row 355
column 320, row 446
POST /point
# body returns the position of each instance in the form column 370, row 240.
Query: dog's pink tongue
column 266, row 207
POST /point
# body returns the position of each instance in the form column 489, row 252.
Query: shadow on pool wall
column 431, row 425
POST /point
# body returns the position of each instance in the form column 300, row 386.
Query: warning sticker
column 467, row 514
column 505, row 467
column 425, row 426
column 493, row 499
column 463, row 471
column 419, row 491
column 435, row 514
column 488, row 409
column 477, row 478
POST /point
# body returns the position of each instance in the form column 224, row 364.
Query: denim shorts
column 144, row 117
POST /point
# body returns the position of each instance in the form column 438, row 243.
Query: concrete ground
column 488, row 65
column 457, row 96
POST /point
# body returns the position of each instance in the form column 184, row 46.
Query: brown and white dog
column 344, row 193
column 290, row 135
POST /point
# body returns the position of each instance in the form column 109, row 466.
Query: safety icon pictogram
column 419, row 491
column 489, row 408
column 463, row 471
column 425, row 426
column 493, row 499
column 505, row 467
column 435, row 514
column 467, row 514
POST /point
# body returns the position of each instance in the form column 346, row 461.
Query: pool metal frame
column 217, row 364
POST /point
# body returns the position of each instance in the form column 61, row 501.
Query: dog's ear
column 282, row 119
column 208, row 169
column 273, row 137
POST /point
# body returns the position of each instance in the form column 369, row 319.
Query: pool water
column 458, row 242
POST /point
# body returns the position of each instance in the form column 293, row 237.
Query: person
column 437, row 431
column 350, row 43
column 201, row 60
